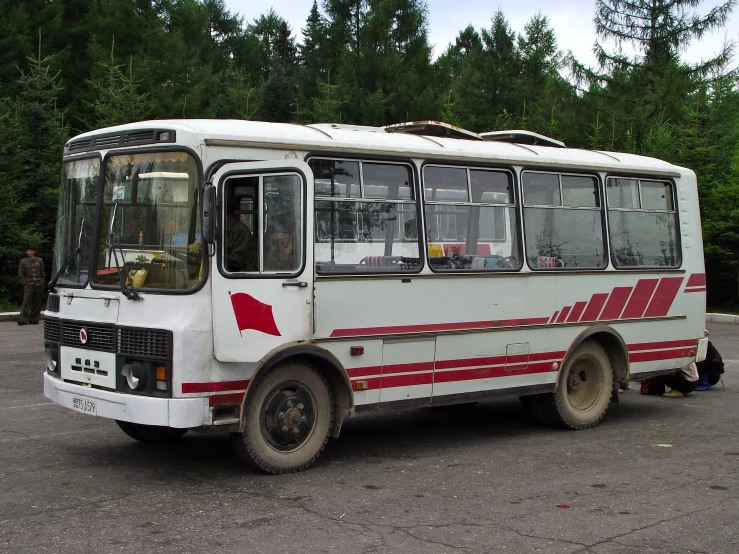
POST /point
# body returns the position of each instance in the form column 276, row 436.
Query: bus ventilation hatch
column 116, row 140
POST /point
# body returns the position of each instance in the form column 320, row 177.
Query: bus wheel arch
column 288, row 420
column 612, row 343
column 329, row 367
column 586, row 382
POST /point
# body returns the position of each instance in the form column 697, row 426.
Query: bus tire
column 287, row 419
column 584, row 392
column 150, row 434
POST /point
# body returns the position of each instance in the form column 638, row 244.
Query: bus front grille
column 52, row 329
column 152, row 343
column 95, row 337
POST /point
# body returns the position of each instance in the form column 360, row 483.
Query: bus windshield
column 150, row 221
column 74, row 228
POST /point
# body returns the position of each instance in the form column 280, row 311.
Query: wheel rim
column 584, row 383
column 288, row 417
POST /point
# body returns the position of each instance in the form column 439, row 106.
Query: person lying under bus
column 241, row 252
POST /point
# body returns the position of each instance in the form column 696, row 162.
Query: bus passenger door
column 407, row 369
column 262, row 274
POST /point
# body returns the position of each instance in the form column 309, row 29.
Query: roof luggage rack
column 432, row 129
column 522, row 137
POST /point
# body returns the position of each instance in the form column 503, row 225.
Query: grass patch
column 6, row 306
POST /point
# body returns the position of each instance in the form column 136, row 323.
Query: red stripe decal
column 594, row 307
column 218, row 386
column 576, row 312
column 496, row 360
column 563, row 314
column 661, row 355
column 554, row 317
column 407, row 380
column 640, row 298
column 364, row 371
column 488, row 372
column 451, row 364
column 696, row 290
column 549, row 356
column 697, row 280
column 231, row 398
column 616, row 302
column 408, row 368
column 690, row 343
column 664, row 296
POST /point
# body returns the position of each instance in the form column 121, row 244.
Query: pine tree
column 238, row 99
column 448, row 115
column 32, row 135
column 489, row 67
column 313, row 37
column 117, row 99
column 657, row 30
column 277, row 97
column 312, row 67
column 326, row 106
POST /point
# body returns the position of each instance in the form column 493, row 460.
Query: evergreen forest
column 69, row 66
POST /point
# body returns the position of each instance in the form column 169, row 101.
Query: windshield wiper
column 128, row 291
column 68, row 260
column 79, row 247
column 64, row 265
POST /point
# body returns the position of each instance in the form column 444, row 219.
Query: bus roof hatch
column 522, row 137
column 432, row 129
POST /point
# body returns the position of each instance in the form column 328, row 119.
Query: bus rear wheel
column 287, row 419
column 584, row 392
column 150, row 434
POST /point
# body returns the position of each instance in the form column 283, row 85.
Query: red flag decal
column 252, row 314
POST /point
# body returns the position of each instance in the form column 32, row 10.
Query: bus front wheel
column 584, row 392
column 150, row 434
column 287, row 419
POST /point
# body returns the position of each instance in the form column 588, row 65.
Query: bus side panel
column 451, row 309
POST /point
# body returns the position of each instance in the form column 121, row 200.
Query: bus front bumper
column 183, row 413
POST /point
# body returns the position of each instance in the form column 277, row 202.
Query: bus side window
column 470, row 219
column 283, row 227
column 563, row 223
column 264, row 224
column 365, row 217
column 241, row 225
column 642, row 221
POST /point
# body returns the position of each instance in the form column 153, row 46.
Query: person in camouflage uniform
column 31, row 274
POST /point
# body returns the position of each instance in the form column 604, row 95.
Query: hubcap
column 584, row 383
column 288, row 417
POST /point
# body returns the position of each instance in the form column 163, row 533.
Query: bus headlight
column 50, row 363
column 135, row 375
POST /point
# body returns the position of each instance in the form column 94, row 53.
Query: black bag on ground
column 713, row 366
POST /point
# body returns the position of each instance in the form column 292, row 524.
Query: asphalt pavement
column 658, row 475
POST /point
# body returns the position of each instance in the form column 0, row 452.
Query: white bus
column 271, row 280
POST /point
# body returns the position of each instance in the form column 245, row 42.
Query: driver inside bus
column 241, row 252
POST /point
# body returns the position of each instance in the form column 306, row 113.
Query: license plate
column 84, row 405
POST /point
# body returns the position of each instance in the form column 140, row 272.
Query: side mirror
column 209, row 213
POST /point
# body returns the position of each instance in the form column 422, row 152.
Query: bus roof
column 355, row 139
